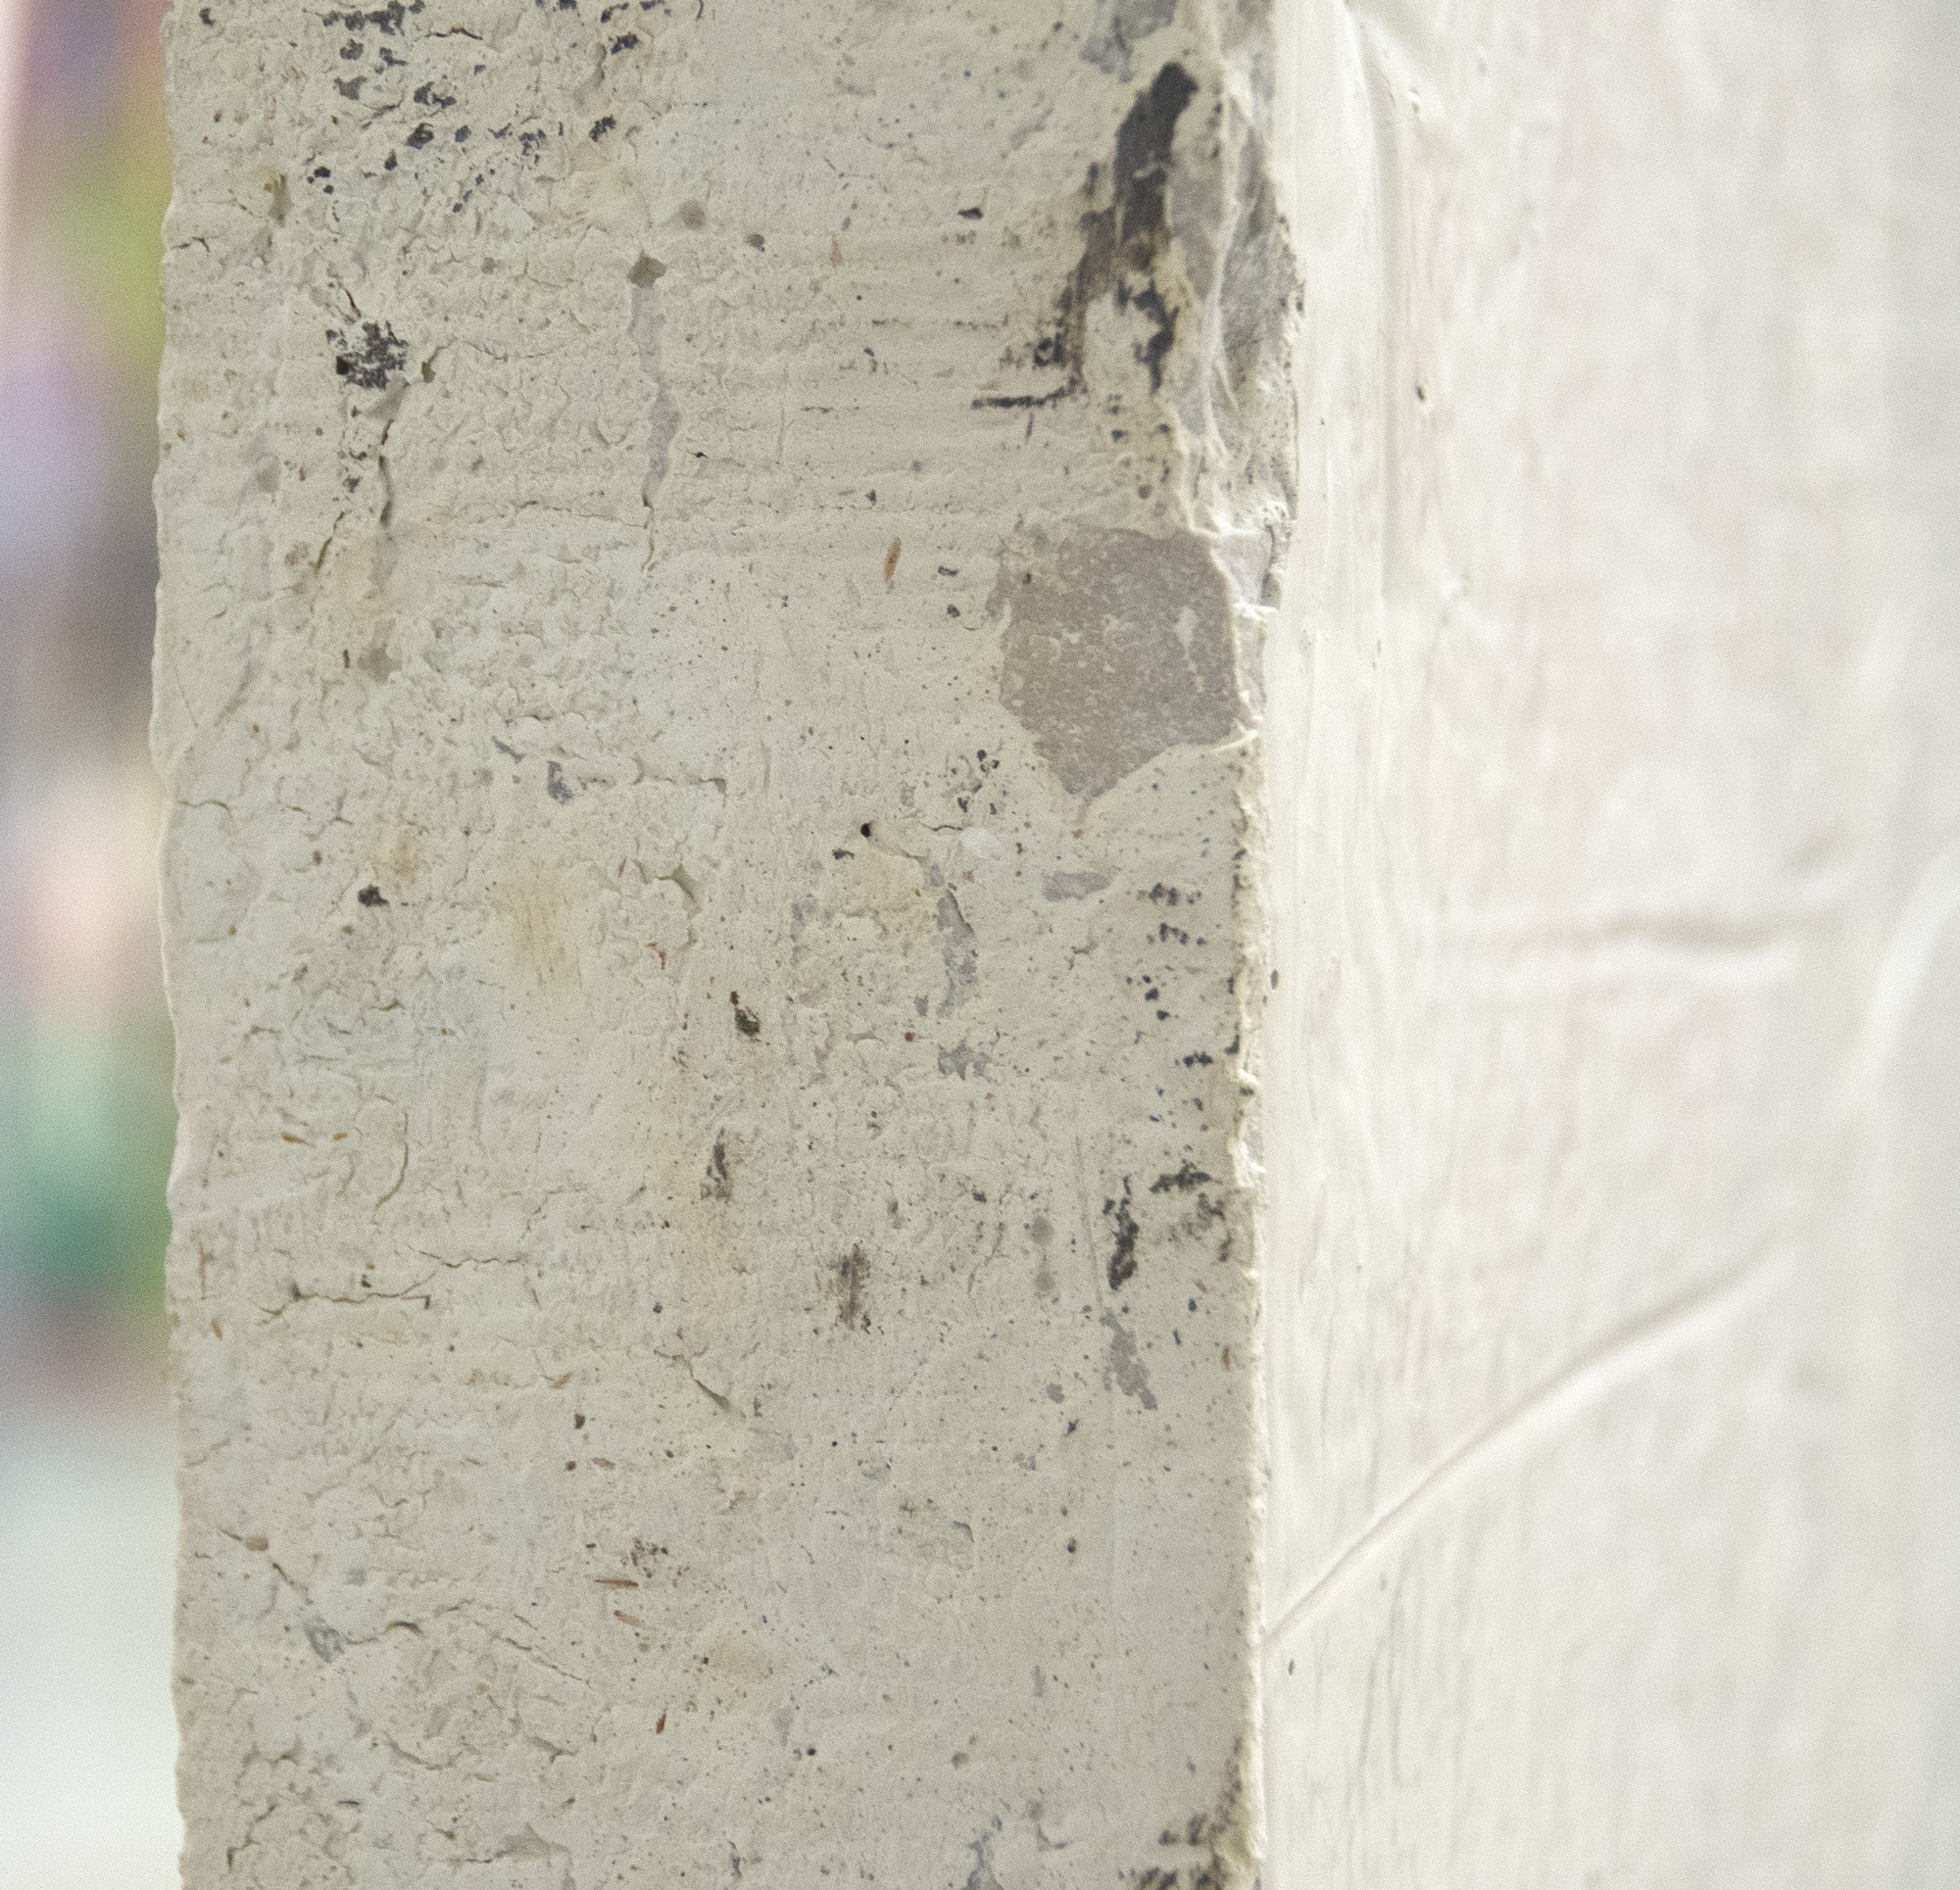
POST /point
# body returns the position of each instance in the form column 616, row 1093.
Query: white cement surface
column 708, row 931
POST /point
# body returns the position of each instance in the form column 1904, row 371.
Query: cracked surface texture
column 710, row 558
column 774, row 916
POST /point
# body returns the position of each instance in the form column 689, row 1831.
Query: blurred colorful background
column 87, row 1513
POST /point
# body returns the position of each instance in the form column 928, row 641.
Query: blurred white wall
column 87, row 1738
column 1615, row 1308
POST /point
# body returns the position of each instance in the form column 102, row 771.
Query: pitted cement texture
column 714, row 557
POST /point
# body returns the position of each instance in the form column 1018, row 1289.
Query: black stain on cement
column 368, row 358
column 720, row 1183
column 1120, row 245
column 1187, row 1177
column 1123, row 1259
column 854, row 1276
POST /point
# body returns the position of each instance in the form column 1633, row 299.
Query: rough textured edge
column 1245, row 495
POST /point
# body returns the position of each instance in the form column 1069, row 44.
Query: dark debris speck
column 368, row 358
column 1123, row 1260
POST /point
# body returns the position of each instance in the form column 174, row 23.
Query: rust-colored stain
column 616, row 1582
column 891, row 560
column 836, row 254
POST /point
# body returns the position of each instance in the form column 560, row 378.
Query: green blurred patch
column 103, row 217
column 90, row 1127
